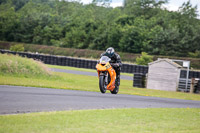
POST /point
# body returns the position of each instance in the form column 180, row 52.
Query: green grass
column 104, row 121
column 73, row 81
column 82, row 69
column 88, row 83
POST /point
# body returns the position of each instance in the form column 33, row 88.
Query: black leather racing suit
column 116, row 64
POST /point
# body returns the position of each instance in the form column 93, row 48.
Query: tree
column 187, row 10
column 144, row 59
column 147, row 8
column 8, row 21
column 132, row 40
column 19, row 3
column 105, row 3
column 189, row 28
column 141, row 25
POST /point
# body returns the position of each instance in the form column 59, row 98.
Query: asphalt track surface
column 87, row 73
column 17, row 99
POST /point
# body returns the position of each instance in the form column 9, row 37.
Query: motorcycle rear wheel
column 102, row 84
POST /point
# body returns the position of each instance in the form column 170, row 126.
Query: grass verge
column 109, row 120
column 16, row 65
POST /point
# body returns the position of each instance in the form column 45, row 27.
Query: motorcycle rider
column 115, row 62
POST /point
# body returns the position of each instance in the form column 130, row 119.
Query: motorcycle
column 107, row 76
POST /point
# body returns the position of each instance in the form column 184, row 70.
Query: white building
column 163, row 75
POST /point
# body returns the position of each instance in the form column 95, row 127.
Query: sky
column 172, row 5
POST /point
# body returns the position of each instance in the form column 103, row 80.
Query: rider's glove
column 115, row 64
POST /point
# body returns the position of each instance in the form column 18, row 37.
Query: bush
column 17, row 48
column 144, row 59
column 196, row 54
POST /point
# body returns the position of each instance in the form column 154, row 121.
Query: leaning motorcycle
column 107, row 76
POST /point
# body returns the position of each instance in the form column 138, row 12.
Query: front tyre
column 102, row 84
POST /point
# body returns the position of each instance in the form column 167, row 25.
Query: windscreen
column 104, row 59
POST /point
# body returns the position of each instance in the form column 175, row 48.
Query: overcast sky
column 173, row 5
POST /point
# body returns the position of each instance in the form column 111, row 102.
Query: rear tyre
column 102, row 84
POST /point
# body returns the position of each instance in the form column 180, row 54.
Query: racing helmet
column 110, row 52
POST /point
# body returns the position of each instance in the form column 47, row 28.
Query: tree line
column 138, row 26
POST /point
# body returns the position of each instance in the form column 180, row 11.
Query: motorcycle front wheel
column 102, row 84
column 116, row 90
